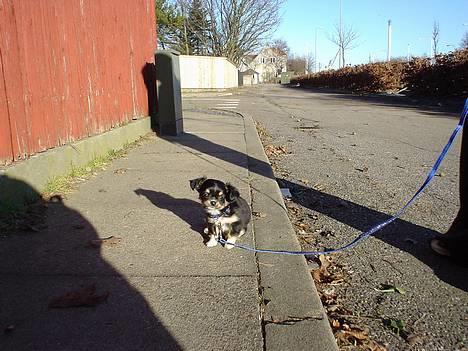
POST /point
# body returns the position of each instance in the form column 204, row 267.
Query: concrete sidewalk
column 166, row 290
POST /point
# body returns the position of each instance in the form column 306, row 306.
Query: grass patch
column 65, row 184
column 30, row 215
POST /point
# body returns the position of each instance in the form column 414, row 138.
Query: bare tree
column 345, row 39
column 297, row 64
column 310, row 62
column 280, row 44
column 435, row 37
column 238, row 27
column 464, row 41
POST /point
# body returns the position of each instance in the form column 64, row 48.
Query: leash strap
column 381, row 225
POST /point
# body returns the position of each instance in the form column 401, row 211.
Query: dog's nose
column 213, row 202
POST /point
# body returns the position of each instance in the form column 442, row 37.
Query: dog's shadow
column 188, row 210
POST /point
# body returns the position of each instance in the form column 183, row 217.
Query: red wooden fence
column 70, row 69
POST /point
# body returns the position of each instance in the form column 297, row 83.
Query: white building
column 269, row 64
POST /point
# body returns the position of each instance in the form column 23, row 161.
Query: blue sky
column 412, row 23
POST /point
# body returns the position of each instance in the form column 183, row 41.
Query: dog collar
column 224, row 212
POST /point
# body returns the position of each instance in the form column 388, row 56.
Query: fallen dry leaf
column 318, row 187
column 272, row 150
column 413, row 339
column 324, row 262
column 120, row 171
column 372, row 345
column 109, row 241
column 85, row 297
column 349, row 336
column 259, row 214
column 335, row 323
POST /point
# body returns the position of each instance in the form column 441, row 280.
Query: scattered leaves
column 351, row 336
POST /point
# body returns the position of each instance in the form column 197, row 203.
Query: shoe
column 455, row 249
column 438, row 246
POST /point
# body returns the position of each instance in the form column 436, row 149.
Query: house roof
column 277, row 51
column 249, row 71
column 249, row 58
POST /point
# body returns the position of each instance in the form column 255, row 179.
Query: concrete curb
column 293, row 315
column 39, row 169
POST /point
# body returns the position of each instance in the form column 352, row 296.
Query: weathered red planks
column 70, row 69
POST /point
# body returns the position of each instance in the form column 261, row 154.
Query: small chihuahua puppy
column 227, row 213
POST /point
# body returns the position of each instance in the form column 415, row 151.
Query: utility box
column 169, row 99
column 285, row 77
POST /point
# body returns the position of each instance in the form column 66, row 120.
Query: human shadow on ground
column 189, row 211
column 401, row 234
column 50, row 257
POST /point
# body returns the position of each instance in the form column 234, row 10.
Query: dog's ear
column 195, row 184
column 232, row 193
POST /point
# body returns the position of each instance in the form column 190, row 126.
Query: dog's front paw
column 230, row 243
column 212, row 242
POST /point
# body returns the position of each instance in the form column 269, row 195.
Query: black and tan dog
column 227, row 213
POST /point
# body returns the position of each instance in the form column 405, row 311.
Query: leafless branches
column 435, row 37
column 464, row 41
column 345, row 39
column 238, row 27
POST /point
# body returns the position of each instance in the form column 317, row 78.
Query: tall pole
column 389, row 40
column 408, row 54
column 340, row 40
column 315, row 52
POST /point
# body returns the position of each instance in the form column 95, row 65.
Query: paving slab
column 167, row 290
column 140, row 313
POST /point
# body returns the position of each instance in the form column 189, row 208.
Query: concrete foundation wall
column 35, row 172
column 205, row 72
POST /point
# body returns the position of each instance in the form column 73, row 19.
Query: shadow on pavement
column 237, row 158
column 188, row 210
column 53, row 252
column 401, row 234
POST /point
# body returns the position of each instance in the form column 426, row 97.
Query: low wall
column 206, row 72
column 24, row 180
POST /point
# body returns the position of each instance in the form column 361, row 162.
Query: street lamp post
column 315, row 50
column 389, row 40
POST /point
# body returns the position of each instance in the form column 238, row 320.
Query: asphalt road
column 352, row 162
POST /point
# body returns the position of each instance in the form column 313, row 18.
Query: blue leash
column 379, row 226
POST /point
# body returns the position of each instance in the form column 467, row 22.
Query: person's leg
column 455, row 242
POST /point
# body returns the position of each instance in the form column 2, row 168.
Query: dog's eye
column 221, row 197
column 205, row 195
